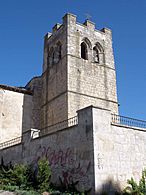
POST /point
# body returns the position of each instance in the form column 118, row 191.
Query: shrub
column 137, row 188
column 15, row 176
column 26, row 177
column 33, row 180
column 19, row 176
column 9, row 188
column 43, row 175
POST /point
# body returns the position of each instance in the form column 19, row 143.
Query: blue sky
column 23, row 25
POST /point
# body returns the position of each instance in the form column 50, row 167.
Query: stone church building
column 69, row 114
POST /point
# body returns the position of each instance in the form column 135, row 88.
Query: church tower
column 78, row 70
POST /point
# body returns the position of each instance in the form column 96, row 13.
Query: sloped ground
column 6, row 193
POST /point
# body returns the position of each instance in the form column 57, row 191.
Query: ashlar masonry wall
column 89, row 82
column 70, row 82
column 119, row 151
column 69, row 151
column 98, row 154
column 15, row 114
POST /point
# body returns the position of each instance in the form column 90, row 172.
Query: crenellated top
column 71, row 19
column 79, row 40
column 78, row 69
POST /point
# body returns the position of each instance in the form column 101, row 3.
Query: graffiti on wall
column 54, row 157
column 67, row 164
column 100, row 161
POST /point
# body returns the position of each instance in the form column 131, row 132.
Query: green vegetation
column 32, row 180
column 135, row 188
column 25, row 177
column 44, row 175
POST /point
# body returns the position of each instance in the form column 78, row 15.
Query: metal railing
column 49, row 129
column 59, row 126
column 11, row 142
column 127, row 121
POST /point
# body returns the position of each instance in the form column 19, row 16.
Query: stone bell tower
column 78, row 70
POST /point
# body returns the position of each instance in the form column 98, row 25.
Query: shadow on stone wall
column 32, row 105
column 27, row 113
column 109, row 188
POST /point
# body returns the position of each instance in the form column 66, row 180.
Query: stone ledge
column 129, row 127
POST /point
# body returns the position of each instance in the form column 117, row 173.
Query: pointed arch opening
column 59, row 51
column 84, row 51
column 50, row 58
column 98, row 53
